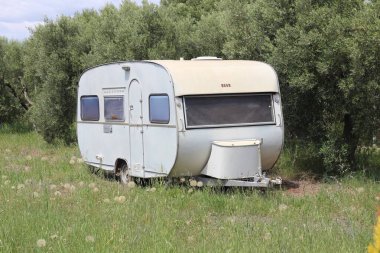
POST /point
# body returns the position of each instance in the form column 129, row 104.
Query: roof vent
column 202, row 58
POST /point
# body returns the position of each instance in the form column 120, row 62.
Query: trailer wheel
column 124, row 176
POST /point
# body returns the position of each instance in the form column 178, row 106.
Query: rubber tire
column 124, row 178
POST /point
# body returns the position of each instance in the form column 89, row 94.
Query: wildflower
column 4, row 177
column 182, row 180
column 57, row 193
column 44, row 158
column 92, row 185
column 193, row 183
column 35, row 195
column 72, row 162
column 131, row 184
column 27, row 168
column 79, row 160
column 6, row 182
column 28, row 181
column 95, row 189
column 29, row 157
column 73, row 158
column 199, row 184
column 52, row 186
column 41, row 243
column 55, row 236
column 90, row 238
column 7, row 150
column 106, row 200
column 190, row 190
column 153, row 189
column 120, row 199
column 81, row 184
column 20, row 186
column 282, row 207
column 360, row 189
column 267, row 236
column 67, row 186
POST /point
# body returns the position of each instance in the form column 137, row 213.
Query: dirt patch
column 301, row 188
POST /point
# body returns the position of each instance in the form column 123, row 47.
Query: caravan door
column 136, row 133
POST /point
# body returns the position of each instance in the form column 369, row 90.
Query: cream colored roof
column 220, row 76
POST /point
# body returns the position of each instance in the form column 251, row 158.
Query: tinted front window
column 114, row 108
column 228, row 110
column 89, row 108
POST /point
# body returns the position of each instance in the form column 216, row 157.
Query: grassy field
column 51, row 202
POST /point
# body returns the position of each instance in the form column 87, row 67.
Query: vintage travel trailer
column 207, row 118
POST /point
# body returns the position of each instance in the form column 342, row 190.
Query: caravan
column 206, row 117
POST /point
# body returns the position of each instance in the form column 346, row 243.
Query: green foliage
column 57, row 71
column 330, row 78
column 325, row 52
column 12, row 101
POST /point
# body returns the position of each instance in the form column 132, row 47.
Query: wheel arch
column 119, row 163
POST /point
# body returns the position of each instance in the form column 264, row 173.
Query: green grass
column 337, row 218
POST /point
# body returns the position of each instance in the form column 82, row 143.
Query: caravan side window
column 114, row 108
column 159, row 111
column 89, row 108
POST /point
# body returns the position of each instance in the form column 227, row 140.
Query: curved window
column 89, row 108
column 114, row 108
column 159, row 111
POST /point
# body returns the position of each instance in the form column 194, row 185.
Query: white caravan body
column 218, row 118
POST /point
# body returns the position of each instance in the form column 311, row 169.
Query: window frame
column 150, row 118
column 81, row 107
column 104, row 108
column 273, row 122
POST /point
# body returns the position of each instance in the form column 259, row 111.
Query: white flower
column 95, row 189
column 29, row 157
column 55, row 236
column 35, row 195
column 193, row 183
column 282, row 207
column 360, row 189
column 41, row 243
column 20, row 186
column 90, row 238
column 92, row 185
column 131, row 184
column 120, row 199
column 199, row 184
column 57, row 193
column 52, row 186
column 72, row 162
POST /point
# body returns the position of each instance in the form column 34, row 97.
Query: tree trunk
column 350, row 140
